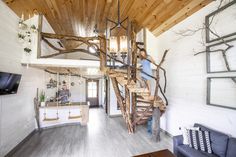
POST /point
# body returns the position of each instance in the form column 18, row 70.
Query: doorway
column 92, row 87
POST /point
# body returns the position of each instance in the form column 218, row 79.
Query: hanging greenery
column 27, row 50
column 25, row 34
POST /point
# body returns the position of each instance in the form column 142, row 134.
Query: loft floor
column 102, row 137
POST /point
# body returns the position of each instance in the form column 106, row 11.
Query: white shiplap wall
column 186, row 75
column 17, row 110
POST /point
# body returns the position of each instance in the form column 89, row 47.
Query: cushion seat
column 231, row 148
column 189, row 152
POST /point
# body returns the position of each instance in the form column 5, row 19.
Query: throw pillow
column 200, row 140
column 186, row 134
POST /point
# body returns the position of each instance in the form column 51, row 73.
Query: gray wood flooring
column 102, row 137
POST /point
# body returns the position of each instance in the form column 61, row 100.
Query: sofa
column 222, row 145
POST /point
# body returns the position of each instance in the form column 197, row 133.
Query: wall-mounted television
column 9, row 83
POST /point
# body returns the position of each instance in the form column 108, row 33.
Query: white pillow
column 186, row 133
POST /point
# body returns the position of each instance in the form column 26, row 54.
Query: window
column 92, row 89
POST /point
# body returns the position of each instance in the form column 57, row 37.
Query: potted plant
column 42, row 98
column 21, row 37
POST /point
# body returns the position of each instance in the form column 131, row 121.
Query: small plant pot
column 42, row 104
column 21, row 40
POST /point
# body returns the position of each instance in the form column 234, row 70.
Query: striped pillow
column 200, row 140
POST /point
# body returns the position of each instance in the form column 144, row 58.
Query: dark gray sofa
column 222, row 145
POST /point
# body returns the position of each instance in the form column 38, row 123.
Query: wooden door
column 92, row 87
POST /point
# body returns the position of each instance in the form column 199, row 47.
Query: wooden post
column 40, row 27
column 122, row 105
column 156, row 130
column 102, row 55
column 36, row 109
column 134, row 72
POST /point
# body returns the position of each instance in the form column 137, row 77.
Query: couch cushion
column 231, row 151
column 190, row 152
column 219, row 140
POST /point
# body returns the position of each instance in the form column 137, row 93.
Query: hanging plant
column 22, row 25
column 27, row 50
column 29, row 41
column 28, row 33
column 33, row 28
column 21, row 37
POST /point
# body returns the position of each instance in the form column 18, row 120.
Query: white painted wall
column 186, row 74
column 17, row 110
column 113, row 111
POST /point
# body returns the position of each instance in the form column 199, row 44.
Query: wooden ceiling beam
column 188, row 10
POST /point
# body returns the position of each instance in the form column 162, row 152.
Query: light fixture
column 117, row 35
column 113, row 45
column 92, row 50
column 123, row 44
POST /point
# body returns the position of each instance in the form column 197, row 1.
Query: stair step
column 138, row 90
column 123, row 71
column 141, row 122
column 142, row 109
column 117, row 75
column 143, row 104
column 145, row 118
column 145, row 97
column 144, row 101
column 148, row 114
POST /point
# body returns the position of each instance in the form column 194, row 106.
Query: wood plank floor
column 102, row 137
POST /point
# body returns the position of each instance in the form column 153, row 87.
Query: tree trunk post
column 156, row 130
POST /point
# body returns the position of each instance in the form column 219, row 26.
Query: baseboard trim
column 116, row 115
column 19, row 145
column 167, row 133
column 62, row 125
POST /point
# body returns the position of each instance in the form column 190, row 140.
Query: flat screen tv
column 9, row 83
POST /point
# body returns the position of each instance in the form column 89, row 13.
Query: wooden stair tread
column 145, row 118
column 117, row 75
column 144, row 101
column 149, row 113
column 147, row 97
column 141, row 122
column 138, row 90
column 123, row 71
column 143, row 104
column 142, row 109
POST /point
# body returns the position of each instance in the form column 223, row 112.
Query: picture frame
column 222, row 68
column 208, row 22
column 221, row 96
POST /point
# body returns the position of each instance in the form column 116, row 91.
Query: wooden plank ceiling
column 78, row 17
